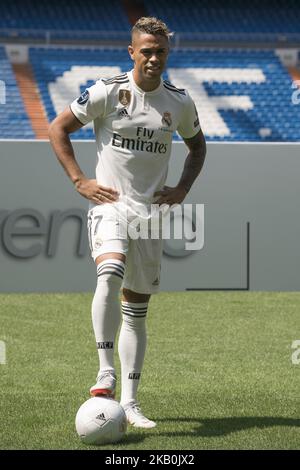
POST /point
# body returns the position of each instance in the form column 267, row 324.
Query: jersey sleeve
column 91, row 104
column 189, row 124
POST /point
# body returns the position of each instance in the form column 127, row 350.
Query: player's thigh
column 106, row 238
column 135, row 297
column 143, row 266
column 113, row 255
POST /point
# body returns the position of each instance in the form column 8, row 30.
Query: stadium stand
column 240, row 94
column 218, row 20
column 231, row 20
column 64, row 19
column 14, row 122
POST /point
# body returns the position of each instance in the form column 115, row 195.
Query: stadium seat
column 241, row 95
column 63, row 19
column 14, row 122
column 233, row 20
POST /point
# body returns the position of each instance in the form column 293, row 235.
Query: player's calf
column 106, row 318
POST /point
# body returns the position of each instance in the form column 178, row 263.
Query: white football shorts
column 108, row 233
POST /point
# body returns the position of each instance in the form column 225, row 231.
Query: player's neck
column 145, row 85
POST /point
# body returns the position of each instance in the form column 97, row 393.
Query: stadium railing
column 180, row 38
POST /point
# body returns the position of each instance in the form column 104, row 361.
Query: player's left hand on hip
column 170, row 195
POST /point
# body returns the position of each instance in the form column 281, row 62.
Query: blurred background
column 238, row 58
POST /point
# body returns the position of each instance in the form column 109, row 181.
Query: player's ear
column 131, row 51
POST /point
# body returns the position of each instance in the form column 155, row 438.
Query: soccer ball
column 101, row 420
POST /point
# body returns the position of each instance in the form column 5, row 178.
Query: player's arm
column 194, row 161
column 192, row 167
column 59, row 135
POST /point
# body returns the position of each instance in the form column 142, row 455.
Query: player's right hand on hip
column 93, row 191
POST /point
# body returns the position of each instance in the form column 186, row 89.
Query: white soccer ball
column 101, row 420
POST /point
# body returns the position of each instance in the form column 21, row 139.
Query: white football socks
column 106, row 309
column 132, row 347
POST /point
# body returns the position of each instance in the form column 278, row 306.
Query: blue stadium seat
column 14, row 122
column 236, row 20
column 233, row 20
column 252, row 104
column 64, row 19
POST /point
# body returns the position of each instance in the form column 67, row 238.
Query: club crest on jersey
column 124, row 97
column 83, row 98
column 98, row 243
column 167, row 119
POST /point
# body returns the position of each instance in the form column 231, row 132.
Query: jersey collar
column 139, row 90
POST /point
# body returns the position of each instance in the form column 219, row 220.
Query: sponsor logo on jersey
column 105, row 345
column 138, row 144
column 84, row 97
column 124, row 97
column 167, row 119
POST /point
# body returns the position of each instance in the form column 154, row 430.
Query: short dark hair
column 151, row 25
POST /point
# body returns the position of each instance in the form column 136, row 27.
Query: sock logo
column 134, row 375
column 105, row 345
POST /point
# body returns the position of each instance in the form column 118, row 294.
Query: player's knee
column 110, row 256
column 131, row 296
column 110, row 273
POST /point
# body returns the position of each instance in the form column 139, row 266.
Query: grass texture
column 218, row 372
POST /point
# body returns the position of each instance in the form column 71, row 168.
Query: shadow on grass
column 131, row 438
column 213, row 427
column 206, row 427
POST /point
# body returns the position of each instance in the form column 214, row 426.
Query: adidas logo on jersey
column 123, row 113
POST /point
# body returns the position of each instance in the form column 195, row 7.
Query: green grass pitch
column 218, row 372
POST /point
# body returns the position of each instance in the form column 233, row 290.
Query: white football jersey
column 133, row 131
